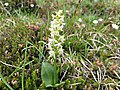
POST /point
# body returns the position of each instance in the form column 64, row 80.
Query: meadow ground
column 60, row 45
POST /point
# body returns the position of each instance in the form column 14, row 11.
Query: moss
column 13, row 38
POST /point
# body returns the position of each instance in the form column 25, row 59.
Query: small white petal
column 80, row 20
column 22, row 6
column 60, row 51
column 83, row 25
column 52, row 54
column 100, row 19
column 59, row 12
column 110, row 18
column 95, row 21
column 67, row 11
column 61, row 38
column 115, row 26
column 32, row 5
column 6, row 4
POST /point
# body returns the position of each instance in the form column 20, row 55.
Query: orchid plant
column 55, row 47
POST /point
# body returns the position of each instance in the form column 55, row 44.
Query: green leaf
column 47, row 74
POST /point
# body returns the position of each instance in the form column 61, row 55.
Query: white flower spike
column 56, row 39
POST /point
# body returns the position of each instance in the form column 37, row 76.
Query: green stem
column 24, row 66
column 55, row 72
column 6, row 82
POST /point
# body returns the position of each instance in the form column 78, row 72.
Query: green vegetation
column 91, row 47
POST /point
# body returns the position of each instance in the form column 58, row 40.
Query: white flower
column 95, row 21
column 54, row 24
column 56, row 39
column 52, row 54
column 61, row 39
column 80, row 20
column 52, row 40
column 6, row 4
column 32, row 5
column 67, row 11
column 59, row 13
column 58, row 45
column 60, row 51
column 14, row 82
column 83, row 25
column 22, row 6
column 61, row 18
column 100, row 19
column 115, row 26
column 110, row 18
column 54, row 33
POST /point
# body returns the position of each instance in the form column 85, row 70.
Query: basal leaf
column 47, row 74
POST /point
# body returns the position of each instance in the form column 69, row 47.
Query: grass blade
column 6, row 82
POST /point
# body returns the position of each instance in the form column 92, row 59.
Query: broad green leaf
column 47, row 74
